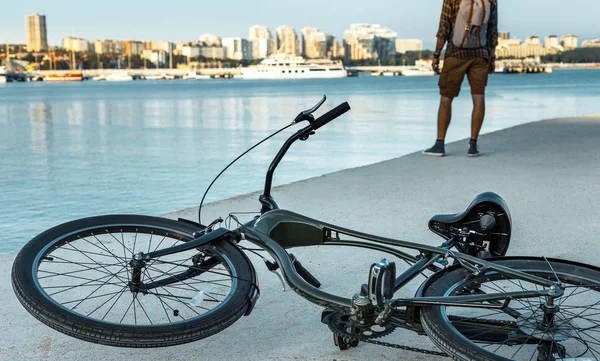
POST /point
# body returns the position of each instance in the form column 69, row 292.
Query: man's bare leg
column 476, row 123
column 444, row 117
column 478, row 115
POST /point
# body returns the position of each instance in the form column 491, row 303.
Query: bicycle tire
column 442, row 326
column 29, row 275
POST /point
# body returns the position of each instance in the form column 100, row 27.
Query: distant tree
column 579, row 55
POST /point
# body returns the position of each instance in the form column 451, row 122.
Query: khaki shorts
column 453, row 74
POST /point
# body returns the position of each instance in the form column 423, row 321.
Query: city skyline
column 186, row 20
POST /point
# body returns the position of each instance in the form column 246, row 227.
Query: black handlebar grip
column 331, row 115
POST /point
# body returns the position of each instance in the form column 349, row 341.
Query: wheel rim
column 87, row 272
column 520, row 332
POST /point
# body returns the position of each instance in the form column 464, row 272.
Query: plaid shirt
column 446, row 31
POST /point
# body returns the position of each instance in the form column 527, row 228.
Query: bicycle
column 140, row 281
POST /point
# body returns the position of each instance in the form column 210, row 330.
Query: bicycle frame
column 277, row 230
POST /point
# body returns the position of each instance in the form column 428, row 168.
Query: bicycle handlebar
column 331, row 115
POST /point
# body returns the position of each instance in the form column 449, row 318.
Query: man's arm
column 443, row 33
column 492, row 34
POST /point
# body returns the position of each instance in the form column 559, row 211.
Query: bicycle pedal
column 382, row 278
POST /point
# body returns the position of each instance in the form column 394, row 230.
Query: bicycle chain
column 407, row 348
column 359, row 337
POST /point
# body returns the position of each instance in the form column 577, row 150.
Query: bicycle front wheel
column 527, row 329
column 76, row 278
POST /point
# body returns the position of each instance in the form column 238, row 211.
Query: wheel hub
column 543, row 324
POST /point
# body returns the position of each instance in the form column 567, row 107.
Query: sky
column 185, row 20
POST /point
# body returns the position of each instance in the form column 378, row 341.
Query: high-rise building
column 109, row 47
column 552, row 41
column 314, row 43
column 317, row 44
column 532, row 40
column 365, row 41
column 133, row 47
column 404, row 45
column 503, row 35
column 237, row 48
column 569, row 41
column 287, row 41
column 37, row 38
column 336, row 50
column 262, row 42
column 76, row 44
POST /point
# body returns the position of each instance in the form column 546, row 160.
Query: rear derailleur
column 368, row 315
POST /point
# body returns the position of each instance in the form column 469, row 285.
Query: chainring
column 341, row 324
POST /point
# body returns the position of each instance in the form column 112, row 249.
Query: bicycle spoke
column 91, row 298
column 75, row 286
column 127, row 310
column 94, row 291
column 158, row 246
column 113, row 305
column 183, row 281
column 122, row 244
column 107, row 301
column 164, row 303
column 54, row 274
column 102, row 248
column 91, row 259
column 144, row 310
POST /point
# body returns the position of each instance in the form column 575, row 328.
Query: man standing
column 470, row 27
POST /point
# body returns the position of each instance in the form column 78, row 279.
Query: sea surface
column 74, row 150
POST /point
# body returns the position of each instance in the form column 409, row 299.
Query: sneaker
column 436, row 151
column 473, row 152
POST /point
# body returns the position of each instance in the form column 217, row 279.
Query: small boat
column 99, row 78
column 196, row 76
column 3, row 78
column 68, row 77
column 121, row 76
column 418, row 72
column 423, row 67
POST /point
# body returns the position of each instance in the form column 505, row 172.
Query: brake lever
column 307, row 114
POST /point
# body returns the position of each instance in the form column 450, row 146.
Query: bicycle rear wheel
column 76, row 278
column 519, row 332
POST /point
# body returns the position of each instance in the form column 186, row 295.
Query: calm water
column 74, row 150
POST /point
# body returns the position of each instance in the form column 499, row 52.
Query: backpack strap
column 468, row 24
column 482, row 21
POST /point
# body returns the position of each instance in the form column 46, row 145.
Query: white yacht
column 283, row 66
